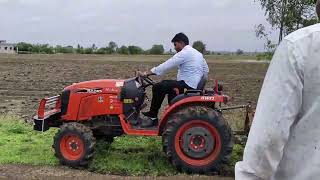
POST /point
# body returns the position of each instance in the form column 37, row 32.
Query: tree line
column 111, row 48
column 285, row 16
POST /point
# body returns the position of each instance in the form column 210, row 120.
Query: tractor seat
column 200, row 87
column 202, row 82
column 191, row 92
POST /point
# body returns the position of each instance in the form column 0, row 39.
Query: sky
column 223, row 25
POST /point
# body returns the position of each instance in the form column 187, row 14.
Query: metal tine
column 51, row 103
column 53, row 97
column 56, row 99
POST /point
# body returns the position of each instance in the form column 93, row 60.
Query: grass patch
column 132, row 156
column 127, row 155
column 20, row 144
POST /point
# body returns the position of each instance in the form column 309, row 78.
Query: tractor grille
column 64, row 101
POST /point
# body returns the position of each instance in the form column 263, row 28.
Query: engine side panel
column 99, row 104
column 104, row 100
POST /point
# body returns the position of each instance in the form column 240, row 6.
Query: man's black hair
column 180, row 37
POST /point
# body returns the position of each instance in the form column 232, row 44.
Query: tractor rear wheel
column 197, row 140
column 74, row 144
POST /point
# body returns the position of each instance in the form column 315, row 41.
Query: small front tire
column 74, row 144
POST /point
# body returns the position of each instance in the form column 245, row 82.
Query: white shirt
column 284, row 141
column 191, row 66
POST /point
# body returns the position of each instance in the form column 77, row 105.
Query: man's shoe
column 148, row 122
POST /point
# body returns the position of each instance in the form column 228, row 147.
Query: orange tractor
column 195, row 136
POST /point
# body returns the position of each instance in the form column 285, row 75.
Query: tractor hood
column 102, row 85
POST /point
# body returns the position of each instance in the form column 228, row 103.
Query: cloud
column 222, row 4
column 222, row 25
column 4, row 1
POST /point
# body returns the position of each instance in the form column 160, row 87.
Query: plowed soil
column 25, row 79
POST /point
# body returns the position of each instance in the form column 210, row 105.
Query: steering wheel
column 148, row 79
column 145, row 80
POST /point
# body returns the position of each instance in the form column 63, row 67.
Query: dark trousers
column 163, row 88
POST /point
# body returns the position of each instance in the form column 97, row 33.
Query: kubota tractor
column 195, row 136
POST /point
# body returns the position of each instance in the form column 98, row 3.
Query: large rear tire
column 74, row 144
column 197, row 139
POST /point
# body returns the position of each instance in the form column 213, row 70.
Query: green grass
column 236, row 156
column 20, row 144
column 132, row 156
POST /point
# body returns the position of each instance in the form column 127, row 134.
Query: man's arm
column 175, row 61
column 278, row 107
column 205, row 67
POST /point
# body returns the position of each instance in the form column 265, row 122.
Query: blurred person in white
column 284, row 140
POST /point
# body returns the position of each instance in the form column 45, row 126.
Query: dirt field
column 25, row 79
column 49, row 172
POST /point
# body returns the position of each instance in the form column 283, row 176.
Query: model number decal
column 128, row 101
column 207, row 98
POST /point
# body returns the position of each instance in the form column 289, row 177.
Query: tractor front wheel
column 197, row 140
column 74, row 144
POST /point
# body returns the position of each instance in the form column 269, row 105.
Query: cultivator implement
column 249, row 114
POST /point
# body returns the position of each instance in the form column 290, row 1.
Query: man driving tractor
column 192, row 68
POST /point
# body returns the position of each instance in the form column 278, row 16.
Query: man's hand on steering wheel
column 144, row 76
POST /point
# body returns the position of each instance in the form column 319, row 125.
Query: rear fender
column 203, row 100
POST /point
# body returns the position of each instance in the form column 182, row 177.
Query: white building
column 7, row 48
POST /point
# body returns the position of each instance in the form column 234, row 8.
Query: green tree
column 135, row 50
column 36, row 48
column 22, row 46
column 239, row 52
column 66, row 49
column 269, row 46
column 157, row 49
column 289, row 15
column 79, row 49
column 88, row 51
column 94, row 48
column 200, row 46
column 58, row 49
column 112, row 46
column 123, row 50
column 101, row 51
column 45, row 48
